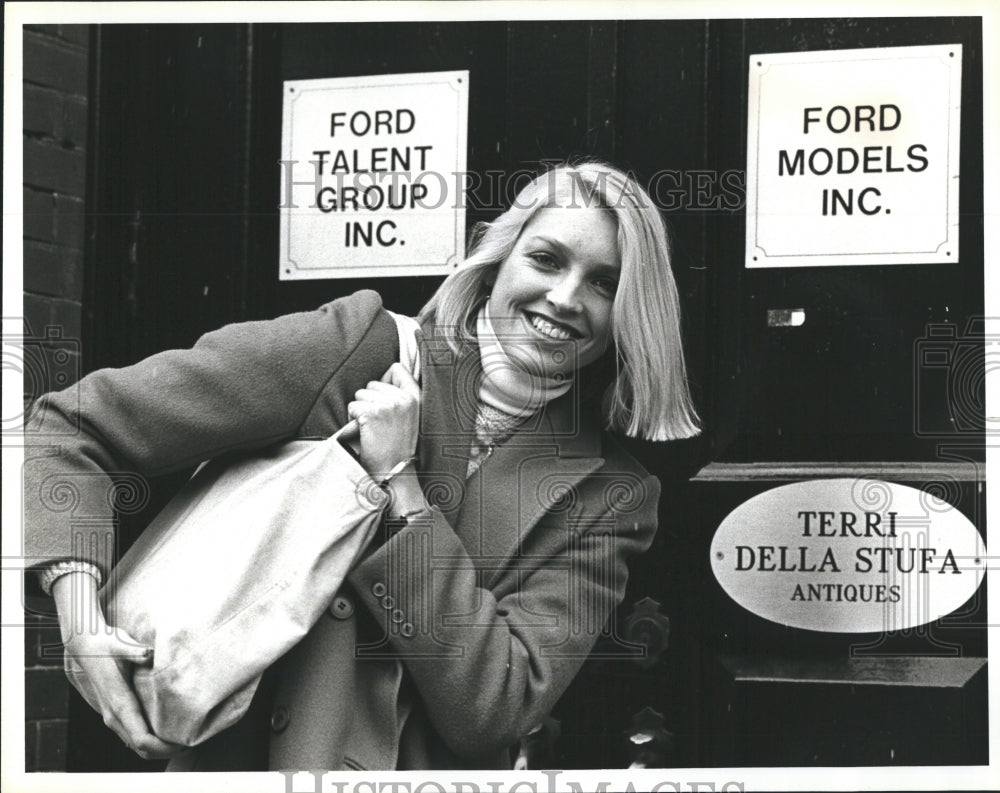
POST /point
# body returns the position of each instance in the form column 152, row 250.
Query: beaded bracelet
column 47, row 576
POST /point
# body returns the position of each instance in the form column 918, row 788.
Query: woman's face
column 552, row 300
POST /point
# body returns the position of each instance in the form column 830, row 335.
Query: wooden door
column 184, row 238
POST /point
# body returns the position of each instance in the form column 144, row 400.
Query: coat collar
column 525, row 477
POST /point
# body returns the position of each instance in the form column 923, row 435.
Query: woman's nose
column 564, row 294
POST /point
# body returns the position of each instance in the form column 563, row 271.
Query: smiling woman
column 464, row 620
column 583, row 251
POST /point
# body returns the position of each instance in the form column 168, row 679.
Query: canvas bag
column 235, row 571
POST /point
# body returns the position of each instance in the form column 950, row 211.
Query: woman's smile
column 551, row 328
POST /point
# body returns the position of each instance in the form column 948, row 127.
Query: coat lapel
column 448, row 411
column 535, row 471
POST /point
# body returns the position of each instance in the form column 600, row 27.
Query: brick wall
column 56, row 67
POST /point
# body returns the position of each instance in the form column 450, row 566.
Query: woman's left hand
column 388, row 414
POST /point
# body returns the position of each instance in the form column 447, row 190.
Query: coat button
column 280, row 718
column 378, row 589
column 397, row 615
column 342, row 607
column 406, row 629
column 388, row 602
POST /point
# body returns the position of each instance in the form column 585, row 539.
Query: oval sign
column 848, row 556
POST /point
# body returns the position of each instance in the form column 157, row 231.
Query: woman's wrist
column 398, row 468
column 77, row 604
column 48, row 575
column 405, row 495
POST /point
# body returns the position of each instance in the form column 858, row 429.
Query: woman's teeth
column 548, row 329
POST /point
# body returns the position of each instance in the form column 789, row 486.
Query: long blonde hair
column 649, row 396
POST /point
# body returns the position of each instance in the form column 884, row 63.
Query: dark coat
column 450, row 640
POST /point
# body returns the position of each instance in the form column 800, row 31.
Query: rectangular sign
column 852, row 157
column 372, row 175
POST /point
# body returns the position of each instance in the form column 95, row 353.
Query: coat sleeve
column 243, row 386
column 490, row 664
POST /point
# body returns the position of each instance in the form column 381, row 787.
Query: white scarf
column 508, row 386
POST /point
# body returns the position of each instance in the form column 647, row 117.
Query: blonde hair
column 649, row 396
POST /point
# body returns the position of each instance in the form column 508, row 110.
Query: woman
column 513, row 509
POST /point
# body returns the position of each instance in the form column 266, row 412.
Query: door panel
column 849, row 384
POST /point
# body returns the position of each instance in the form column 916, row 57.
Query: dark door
column 184, row 233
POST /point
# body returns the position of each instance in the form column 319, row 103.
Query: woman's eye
column 544, row 259
column 607, row 285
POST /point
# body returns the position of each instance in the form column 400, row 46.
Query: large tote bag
column 235, row 571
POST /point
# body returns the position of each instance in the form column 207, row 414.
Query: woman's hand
column 105, row 656
column 388, row 414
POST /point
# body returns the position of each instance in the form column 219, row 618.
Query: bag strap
column 409, row 352
column 409, row 355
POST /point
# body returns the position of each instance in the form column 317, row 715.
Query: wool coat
column 449, row 640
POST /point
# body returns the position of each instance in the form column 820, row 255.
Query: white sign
column 372, row 175
column 848, row 556
column 852, row 157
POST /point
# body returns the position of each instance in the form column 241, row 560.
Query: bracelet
column 48, row 575
column 396, row 469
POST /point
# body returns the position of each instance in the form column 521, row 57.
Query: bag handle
column 409, row 355
column 409, row 352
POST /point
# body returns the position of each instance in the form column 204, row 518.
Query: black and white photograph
column 500, row 396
